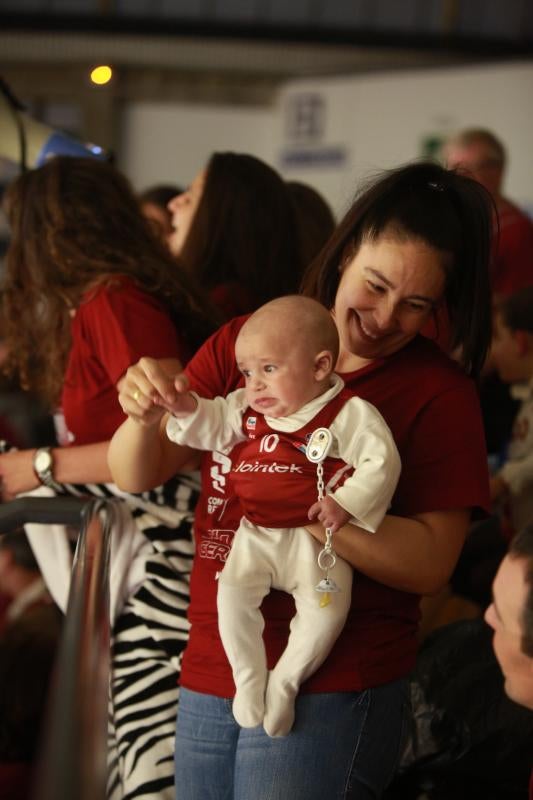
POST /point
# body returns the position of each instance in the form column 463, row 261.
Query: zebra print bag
column 150, row 596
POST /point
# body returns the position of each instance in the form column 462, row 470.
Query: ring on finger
column 136, row 394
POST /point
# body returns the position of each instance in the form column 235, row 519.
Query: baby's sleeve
column 365, row 442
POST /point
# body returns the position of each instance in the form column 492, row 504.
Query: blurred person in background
column 154, row 205
column 512, row 480
column 20, row 577
column 28, row 644
column 512, row 355
column 314, row 218
column 479, row 153
column 510, row 615
column 87, row 290
column 236, row 233
column 27, row 653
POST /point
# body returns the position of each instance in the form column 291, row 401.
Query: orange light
column 101, row 74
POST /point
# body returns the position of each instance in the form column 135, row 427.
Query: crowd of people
column 348, row 460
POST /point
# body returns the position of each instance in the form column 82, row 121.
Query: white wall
column 367, row 122
column 384, row 119
column 170, row 143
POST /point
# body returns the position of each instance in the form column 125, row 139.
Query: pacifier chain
column 316, row 451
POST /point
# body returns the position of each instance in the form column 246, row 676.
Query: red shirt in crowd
column 114, row 326
column 512, row 266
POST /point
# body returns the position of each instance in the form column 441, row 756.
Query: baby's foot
column 249, row 708
column 279, row 709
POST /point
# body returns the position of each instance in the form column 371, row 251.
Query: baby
column 286, row 352
column 512, row 354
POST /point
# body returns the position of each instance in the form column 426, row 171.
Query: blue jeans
column 343, row 746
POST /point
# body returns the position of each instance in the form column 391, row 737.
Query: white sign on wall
column 305, row 133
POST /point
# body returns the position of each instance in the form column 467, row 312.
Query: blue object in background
column 60, row 144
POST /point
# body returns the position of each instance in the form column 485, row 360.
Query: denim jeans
column 343, row 746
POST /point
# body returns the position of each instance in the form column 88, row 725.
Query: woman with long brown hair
column 415, row 239
column 236, row 233
column 88, row 290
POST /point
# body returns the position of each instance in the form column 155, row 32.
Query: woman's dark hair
column 160, row 195
column 244, row 230
column 517, row 310
column 314, row 219
column 445, row 210
column 76, row 224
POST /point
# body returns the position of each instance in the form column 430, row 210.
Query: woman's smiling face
column 387, row 291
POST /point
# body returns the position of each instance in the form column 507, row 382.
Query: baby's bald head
column 298, row 321
column 287, row 352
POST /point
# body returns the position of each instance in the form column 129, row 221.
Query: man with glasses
column 479, row 153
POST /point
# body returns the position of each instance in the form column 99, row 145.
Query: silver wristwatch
column 43, row 463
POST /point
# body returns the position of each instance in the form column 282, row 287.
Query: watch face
column 43, row 461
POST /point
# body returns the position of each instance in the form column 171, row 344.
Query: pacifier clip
column 316, row 451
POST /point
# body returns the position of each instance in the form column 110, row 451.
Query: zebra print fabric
column 148, row 640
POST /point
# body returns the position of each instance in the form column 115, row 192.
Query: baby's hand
column 183, row 402
column 329, row 513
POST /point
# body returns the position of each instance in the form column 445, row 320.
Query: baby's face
column 280, row 374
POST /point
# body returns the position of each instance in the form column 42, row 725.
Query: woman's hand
column 16, row 473
column 150, row 388
column 140, row 454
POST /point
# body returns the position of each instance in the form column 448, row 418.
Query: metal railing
column 73, row 758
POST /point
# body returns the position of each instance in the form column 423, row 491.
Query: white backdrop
column 343, row 128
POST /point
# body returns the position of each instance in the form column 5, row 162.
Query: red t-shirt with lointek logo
column 286, row 474
column 433, row 412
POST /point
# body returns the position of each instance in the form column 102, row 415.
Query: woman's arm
column 140, row 454
column 414, row 554
column 83, row 464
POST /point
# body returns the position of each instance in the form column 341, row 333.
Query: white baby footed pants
column 276, row 558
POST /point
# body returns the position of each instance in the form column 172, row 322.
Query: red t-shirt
column 114, row 326
column 16, row 778
column 285, row 473
column 232, row 299
column 512, row 268
column 433, row 412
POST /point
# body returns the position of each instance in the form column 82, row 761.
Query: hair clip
column 437, row 186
